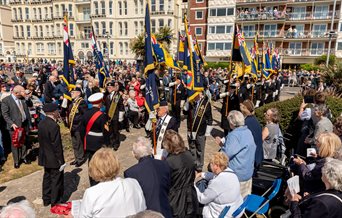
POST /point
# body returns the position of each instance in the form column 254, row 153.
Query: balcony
column 257, row 16
column 46, row 1
column 311, row 16
column 15, row 2
column 34, row 2
column 304, row 52
column 82, row 2
column 83, row 37
column 85, row 19
column 164, row 12
column 278, row 1
column 321, row 35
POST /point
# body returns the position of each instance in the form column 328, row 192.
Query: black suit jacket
column 50, row 144
column 48, row 92
column 119, row 107
column 11, row 113
column 206, row 120
column 154, row 177
column 77, row 122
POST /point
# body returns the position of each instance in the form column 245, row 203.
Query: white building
column 6, row 33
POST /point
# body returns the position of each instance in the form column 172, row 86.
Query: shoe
column 26, row 161
column 73, row 163
column 127, row 130
column 46, row 204
column 136, row 126
column 16, row 166
column 78, row 164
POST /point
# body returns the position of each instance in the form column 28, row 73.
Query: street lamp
column 331, row 33
column 107, row 49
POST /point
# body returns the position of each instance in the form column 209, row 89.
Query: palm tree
column 332, row 75
column 165, row 36
column 137, row 45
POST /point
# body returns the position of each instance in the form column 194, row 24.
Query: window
column 111, row 28
column 23, row 48
column 70, row 11
column 136, row 6
column 86, row 13
column 103, row 8
column 96, row 8
column 111, row 48
column 126, row 48
column 87, row 31
column 40, row 48
column 36, row 31
column 121, row 48
column 51, row 48
column 248, row 31
column 47, row 29
column 27, row 13
column 339, row 46
column 142, row 28
column 58, row 28
column 198, row 31
column 220, row 29
column 199, row 1
column 56, row 9
column 120, row 28
column 153, row 5
column 270, row 30
column 219, row 46
column 41, row 31
column 318, row 30
column 59, row 47
column 29, row 49
column 321, row 12
column 39, row 13
column 20, row 14
column 125, row 7
column 110, row 7
column 71, row 29
column 52, row 30
column 299, row 13
column 28, row 31
column 35, row 13
column 96, row 28
column 126, row 28
column 161, row 23
column 0, row 48
column 317, row 48
column 169, row 22
column 22, row 31
column 221, row 12
column 169, row 5
column 295, row 48
column 15, row 16
column 103, row 26
column 136, row 27
column 141, row 6
column 120, row 8
column 199, row 15
column 300, row 30
column 153, row 26
column 340, row 30
column 161, row 5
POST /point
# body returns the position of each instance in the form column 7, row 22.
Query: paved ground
column 76, row 179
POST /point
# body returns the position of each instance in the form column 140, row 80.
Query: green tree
column 332, row 75
column 137, row 45
column 165, row 36
column 323, row 59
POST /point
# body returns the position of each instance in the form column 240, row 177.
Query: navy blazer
column 154, row 177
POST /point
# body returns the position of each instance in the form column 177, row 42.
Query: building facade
column 38, row 25
column 300, row 29
column 6, row 33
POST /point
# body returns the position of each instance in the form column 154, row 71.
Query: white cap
column 35, row 74
column 96, row 98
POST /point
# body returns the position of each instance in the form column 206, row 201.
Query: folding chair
column 255, row 203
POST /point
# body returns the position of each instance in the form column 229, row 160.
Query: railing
column 308, row 35
column 304, row 52
column 162, row 12
column 82, row 1
column 270, row 15
column 278, row 1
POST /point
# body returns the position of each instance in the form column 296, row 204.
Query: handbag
column 18, row 137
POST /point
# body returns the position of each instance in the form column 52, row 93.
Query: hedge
column 289, row 111
column 215, row 65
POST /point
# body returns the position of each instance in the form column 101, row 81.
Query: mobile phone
column 308, row 99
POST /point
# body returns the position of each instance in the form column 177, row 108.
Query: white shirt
column 112, row 199
column 223, row 190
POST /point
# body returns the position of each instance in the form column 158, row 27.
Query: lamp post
column 331, row 33
column 107, row 49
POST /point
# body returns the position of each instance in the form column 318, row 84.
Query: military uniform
column 176, row 105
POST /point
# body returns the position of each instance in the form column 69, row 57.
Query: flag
column 244, row 52
column 151, row 97
column 157, row 50
column 255, row 58
column 198, row 52
column 266, row 65
column 68, row 62
column 180, row 49
column 102, row 70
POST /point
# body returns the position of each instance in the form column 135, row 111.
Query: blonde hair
column 173, row 142
column 328, row 143
column 104, row 166
column 220, row 159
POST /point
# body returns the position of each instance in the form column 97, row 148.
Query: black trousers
column 53, row 186
column 133, row 117
column 197, row 148
column 176, row 113
column 77, row 145
column 113, row 135
column 19, row 153
column 89, row 155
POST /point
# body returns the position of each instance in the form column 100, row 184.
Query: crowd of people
column 168, row 183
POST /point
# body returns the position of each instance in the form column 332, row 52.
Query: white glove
column 61, row 168
column 182, row 103
column 266, row 96
column 148, row 125
column 224, row 94
column 249, row 86
column 277, row 92
column 121, row 116
column 142, row 86
column 274, row 94
column 172, row 84
column 257, row 103
column 186, row 106
column 152, row 115
column 208, row 130
column 64, row 103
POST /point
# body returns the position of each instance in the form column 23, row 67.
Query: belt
column 95, row 133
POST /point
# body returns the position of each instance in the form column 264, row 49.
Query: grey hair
column 338, row 154
column 236, row 118
column 141, row 148
column 21, row 209
column 332, row 172
column 131, row 92
column 147, row 214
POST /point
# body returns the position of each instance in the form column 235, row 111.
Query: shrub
column 216, row 65
column 309, row 67
column 289, row 111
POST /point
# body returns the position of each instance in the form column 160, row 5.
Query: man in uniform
column 115, row 111
column 178, row 98
column 51, row 156
column 94, row 122
column 164, row 123
column 199, row 118
column 76, row 110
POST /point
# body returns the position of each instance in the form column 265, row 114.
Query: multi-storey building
column 300, row 28
column 6, row 33
column 38, row 25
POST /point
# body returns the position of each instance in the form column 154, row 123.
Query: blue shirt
column 240, row 148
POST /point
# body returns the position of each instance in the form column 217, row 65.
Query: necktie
column 158, row 126
column 21, row 108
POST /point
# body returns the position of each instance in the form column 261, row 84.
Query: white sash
column 160, row 152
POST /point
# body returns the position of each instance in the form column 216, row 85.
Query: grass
column 9, row 173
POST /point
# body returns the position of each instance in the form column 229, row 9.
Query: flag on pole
column 102, row 70
column 68, row 62
column 180, row 49
column 152, row 97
